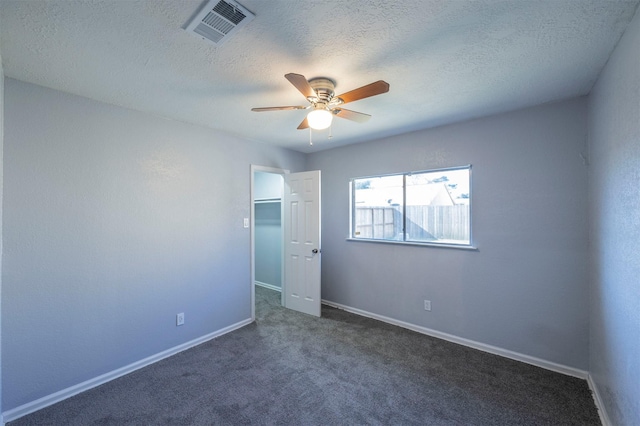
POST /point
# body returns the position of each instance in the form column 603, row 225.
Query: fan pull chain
column 310, row 138
column 330, row 128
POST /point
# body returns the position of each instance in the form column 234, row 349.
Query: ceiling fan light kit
column 319, row 119
column 320, row 93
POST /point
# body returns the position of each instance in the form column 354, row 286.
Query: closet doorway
column 267, row 270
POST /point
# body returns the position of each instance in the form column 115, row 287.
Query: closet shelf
column 267, row 200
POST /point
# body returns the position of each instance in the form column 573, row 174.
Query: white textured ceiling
column 445, row 60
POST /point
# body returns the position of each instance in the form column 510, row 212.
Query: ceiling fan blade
column 304, row 124
column 281, row 108
column 300, row 82
column 351, row 115
column 372, row 89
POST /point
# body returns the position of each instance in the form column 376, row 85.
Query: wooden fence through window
column 424, row 223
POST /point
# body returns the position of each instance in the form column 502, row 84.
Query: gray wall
column 267, row 185
column 525, row 289
column 115, row 221
column 614, row 172
column 268, row 229
column 1, row 204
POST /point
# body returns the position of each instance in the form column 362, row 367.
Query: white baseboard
column 270, row 286
column 602, row 412
column 538, row 362
column 45, row 401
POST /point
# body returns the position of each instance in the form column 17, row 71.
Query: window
column 430, row 207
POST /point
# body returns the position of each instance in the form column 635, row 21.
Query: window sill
column 416, row 243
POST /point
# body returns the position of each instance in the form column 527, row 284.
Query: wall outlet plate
column 180, row 318
column 427, row 305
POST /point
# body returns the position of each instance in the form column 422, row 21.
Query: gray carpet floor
column 292, row 369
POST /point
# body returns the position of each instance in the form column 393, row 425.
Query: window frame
column 404, row 241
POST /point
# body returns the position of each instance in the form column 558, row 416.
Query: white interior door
column 302, row 242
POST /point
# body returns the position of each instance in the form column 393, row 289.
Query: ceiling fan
column 323, row 102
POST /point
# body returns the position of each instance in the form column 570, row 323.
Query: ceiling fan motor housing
column 324, row 87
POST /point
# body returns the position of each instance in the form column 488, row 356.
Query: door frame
column 252, row 231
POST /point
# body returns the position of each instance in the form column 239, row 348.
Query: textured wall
column 525, row 289
column 1, row 204
column 116, row 221
column 614, row 145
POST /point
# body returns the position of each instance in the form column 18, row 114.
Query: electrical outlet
column 180, row 318
column 427, row 305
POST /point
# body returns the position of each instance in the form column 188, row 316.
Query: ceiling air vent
column 218, row 20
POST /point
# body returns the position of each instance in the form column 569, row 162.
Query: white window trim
column 415, row 243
